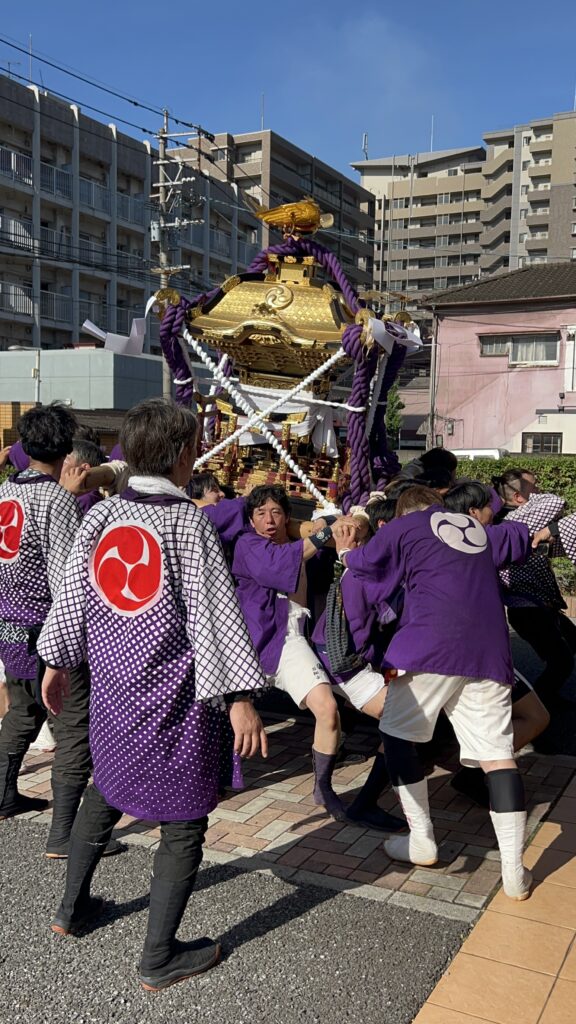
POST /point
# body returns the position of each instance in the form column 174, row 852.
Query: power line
column 103, row 88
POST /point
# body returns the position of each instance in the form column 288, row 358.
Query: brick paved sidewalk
column 274, row 824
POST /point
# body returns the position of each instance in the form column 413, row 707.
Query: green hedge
column 556, row 474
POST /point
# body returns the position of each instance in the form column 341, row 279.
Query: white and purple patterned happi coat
column 38, row 523
column 148, row 599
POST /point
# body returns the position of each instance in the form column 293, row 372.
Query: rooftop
column 530, row 284
column 421, row 158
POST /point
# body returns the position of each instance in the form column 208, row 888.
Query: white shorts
column 299, row 670
column 480, row 711
column 362, row 687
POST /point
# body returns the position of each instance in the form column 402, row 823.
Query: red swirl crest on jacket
column 11, row 526
column 127, row 568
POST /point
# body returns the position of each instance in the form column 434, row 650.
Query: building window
column 398, row 204
column 441, row 282
column 443, row 218
column 573, row 254
column 441, row 261
column 542, row 444
column 525, row 165
column 523, row 236
column 524, row 189
column 443, row 197
column 452, row 171
column 443, row 240
column 534, row 349
column 523, row 213
column 491, row 345
column 526, row 140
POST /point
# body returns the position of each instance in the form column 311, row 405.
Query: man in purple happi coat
column 38, row 523
column 148, row 596
column 452, row 651
column 277, row 579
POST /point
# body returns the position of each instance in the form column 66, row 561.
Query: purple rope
column 171, row 327
column 385, row 463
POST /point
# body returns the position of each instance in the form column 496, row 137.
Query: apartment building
column 529, row 194
column 428, row 223
column 272, row 170
column 475, row 211
column 75, row 224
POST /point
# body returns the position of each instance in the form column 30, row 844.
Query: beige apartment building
column 272, row 170
column 445, row 218
column 530, row 194
column 77, row 224
column 428, row 223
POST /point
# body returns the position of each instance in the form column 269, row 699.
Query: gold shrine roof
column 285, row 325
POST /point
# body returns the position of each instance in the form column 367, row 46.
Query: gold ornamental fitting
column 362, row 317
column 165, row 297
column 230, row 283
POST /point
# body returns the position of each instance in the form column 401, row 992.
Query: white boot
column 419, row 847
column 510, row 829
column 44, row 740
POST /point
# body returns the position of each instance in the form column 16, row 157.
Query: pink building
column 506, row 362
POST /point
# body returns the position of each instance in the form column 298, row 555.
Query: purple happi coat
column 265, row 574
column 229, row 518
column 148, row 599
column 453, row 620
column 38, row 523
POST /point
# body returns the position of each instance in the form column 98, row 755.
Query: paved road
column 293, row 954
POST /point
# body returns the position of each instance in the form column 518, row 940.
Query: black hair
column 200, row 483
column 153, row 435
column 381, row 511
column 438, row 458
column 87, row 434
column 46, row 432
column 87, row 452
column 467, row 494
column 397, row 486
column 509, row 483
column 267, row 492
column 438, row 477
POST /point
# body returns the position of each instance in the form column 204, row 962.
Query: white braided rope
column 258, row 418
column 257, row 414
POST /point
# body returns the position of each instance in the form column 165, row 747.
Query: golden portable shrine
column 278, row 340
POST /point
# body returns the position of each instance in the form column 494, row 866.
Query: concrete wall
column 486, row 402
column 88, row 379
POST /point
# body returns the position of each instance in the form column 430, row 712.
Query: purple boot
column 323, row 793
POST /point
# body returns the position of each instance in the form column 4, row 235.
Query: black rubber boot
column 323, row 793
column 11, row 801
column 364, row 810
column 166, row 961
column 471, row 782
column 67, row 799
column 78, row 907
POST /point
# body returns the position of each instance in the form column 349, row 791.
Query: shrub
column 556, row 474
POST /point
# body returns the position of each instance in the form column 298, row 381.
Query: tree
column 394, row 407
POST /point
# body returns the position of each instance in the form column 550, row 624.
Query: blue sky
column 330, row 70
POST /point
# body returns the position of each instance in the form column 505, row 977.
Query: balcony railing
column 56, row 244
column 129, row 208
column 17, row 233
column 16, row 298
column 94, row 254
column 95, row 196
column 94, row 310
column 16, row 166
column 124, row 318
column 130, row 265
column 55, row 307
column 246, row 252
column 56, row 181
column 220, row 242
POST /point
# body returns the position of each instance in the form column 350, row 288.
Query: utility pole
column 163, row 239
column 431, row 436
